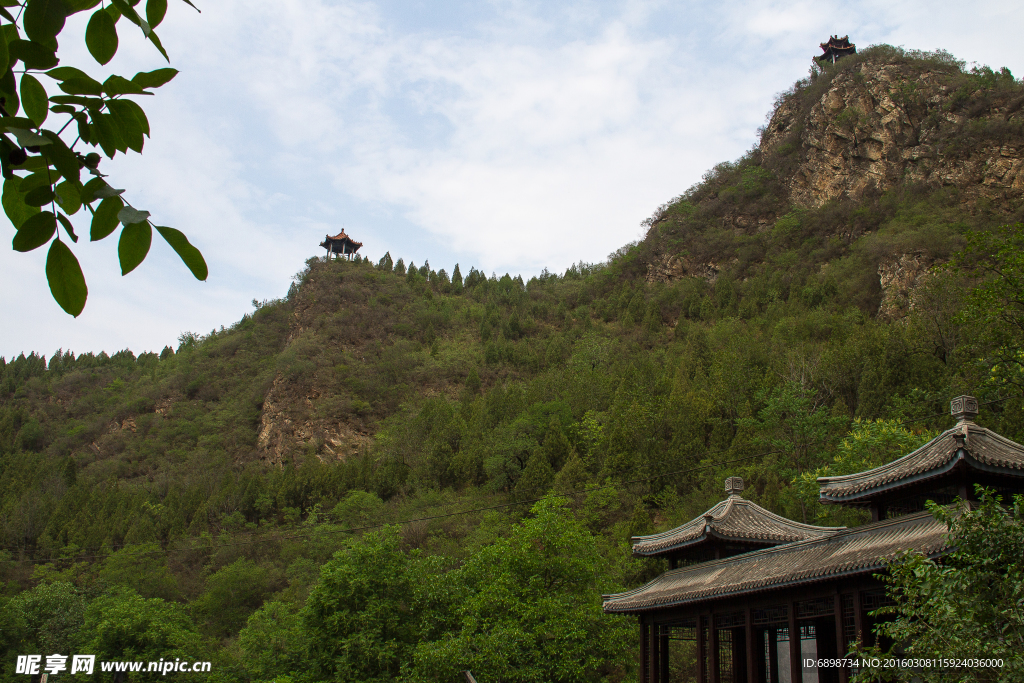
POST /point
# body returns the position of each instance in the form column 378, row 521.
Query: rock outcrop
column 878, row 125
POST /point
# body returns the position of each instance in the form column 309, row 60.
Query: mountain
column 780, row 319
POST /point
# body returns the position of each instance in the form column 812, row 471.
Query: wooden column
column 645, row 656
column 844, row 674
column 702, row 650
column 752, row 661
column 663, row 658
column 858, row 619
column 713, row 663
column 773, row 655
column 655, row 654
column 795, row 665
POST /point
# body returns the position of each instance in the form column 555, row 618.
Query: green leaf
column 68, row 228
column 75, row 6
column 27, row 138
column 41, row 196
column 42, row 178
column 105, row 219
column 44, row 19
column 34, row 99
column 61, row 156
column 118, row 85
column 35, row 232
column 106, row 131
column 67, row 283
column 140, row 115
column 68, row 198
column 128, row 126
column 89, row 191
column 9, row 91
column 63, row 109
column 106, row 190
column 81, row 86
column 156, row 41
column 154, row 79
column 33, row 54
column 90, row 102
column 155, row 11
column 188, row 253
column 101, row 36
column 5, row 56
column 130, row 216
column 134, row 245
column 62, row 73
column 14, row 203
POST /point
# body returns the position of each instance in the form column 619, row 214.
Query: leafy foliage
column 41, row 169
column 970, row 605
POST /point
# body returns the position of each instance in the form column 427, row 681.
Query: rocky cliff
column 846, row 155
column 878, row 125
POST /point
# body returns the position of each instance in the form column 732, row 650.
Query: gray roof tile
column 861, row 550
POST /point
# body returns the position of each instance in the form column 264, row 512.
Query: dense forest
column 396, row 472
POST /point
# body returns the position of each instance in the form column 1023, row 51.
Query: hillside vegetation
column 211, row 487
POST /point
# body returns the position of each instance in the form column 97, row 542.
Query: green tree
column 232, row 594
column 43, row 182
column 122, row 625
column 994, row 309
column 274, row 642
column 529, row 609
column 360, row 618
column 968, row 605
column 870, row 443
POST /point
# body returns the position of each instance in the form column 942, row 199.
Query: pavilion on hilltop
column 340, row 244
column 752, row 594
column 835, row 48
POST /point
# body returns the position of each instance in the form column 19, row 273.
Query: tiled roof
column 342, row 236
column 862, row 550
column 734, row 519
column 978, row 447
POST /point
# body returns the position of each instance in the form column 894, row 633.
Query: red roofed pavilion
column 340, row 244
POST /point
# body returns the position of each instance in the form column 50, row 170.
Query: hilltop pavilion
column 340, row 244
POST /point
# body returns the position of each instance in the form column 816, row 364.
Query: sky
column 511, row 136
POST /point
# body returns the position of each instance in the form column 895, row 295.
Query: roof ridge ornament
column 733, row 486
column 964, row 409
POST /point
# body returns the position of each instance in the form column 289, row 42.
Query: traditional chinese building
column 752, row 594
column 340, row 244
column 835, row 48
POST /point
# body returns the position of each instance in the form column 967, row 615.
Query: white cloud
column 510, row 135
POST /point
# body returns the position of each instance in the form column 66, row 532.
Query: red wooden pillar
column 751, row 650
column 795, row 665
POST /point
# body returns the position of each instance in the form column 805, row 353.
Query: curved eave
column 864, row 496
column 798, row 581
column 707, row 537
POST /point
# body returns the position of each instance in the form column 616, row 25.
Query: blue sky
column 510, row 136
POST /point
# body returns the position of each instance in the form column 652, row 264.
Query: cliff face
column 879, row 125
column 846, row 163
